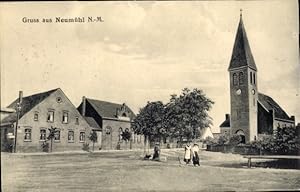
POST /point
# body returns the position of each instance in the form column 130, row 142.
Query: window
column 241, row 78
column 71, row 136
column 65, row 117
column 82, row 137
column 77, row 120
column 42, row 134
column 50, row 116
column 27, row 136
column 254, row 79
column 57, row 135
column 120, row 134
column 235, row 79
column 250, row 77
column 254, row 101
column 36, row 116
column 108, row 130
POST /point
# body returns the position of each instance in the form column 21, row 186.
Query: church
column 252, row 112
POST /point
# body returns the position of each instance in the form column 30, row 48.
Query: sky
column 146, row 51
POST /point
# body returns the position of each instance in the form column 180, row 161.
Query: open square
column 126, row 171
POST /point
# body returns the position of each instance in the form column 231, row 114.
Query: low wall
column 243, row 149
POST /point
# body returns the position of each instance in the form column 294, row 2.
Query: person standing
column 156, row 152
column 187, row 153
column 195, row 152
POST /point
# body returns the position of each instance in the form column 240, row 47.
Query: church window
column 120, row 133
column 254, row 78
column 250, row 77
column 241, row 78
column 235, row 79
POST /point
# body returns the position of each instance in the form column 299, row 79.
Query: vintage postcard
column 150, row 96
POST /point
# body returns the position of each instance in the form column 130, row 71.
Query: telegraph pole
column 18, row 109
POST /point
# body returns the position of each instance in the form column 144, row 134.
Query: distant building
column 38, row 113
column 252, row 113
column 113, row 120
column 206, row 132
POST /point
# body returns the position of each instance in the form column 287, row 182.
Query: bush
column 86, row 147
column 235, row 139
column 284, row 142
column 45, row 147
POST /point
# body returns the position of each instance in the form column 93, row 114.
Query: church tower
column 243, row 87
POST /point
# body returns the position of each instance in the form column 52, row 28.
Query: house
column 251, row 113
column 113, row 122
column 206, row 132
column 38, row 113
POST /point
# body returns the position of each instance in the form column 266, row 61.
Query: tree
column 149, row 121
column 93, row 137
column 188, row 113
column 126, row 135
column 51, row 135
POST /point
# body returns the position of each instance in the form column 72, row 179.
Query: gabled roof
column 226, row 123
column 108, row 109
column 241, row 54
column 91, row 121
column 269, row 104
column 27, row 104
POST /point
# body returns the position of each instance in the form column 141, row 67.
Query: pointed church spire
column 241, row 54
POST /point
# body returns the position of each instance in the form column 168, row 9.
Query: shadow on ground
column 275, row 164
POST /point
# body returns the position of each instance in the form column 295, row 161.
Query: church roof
column 241, row 54
column 27, row 104
column 270, row 105
column 108, row 109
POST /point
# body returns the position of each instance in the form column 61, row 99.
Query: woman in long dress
column 187, row 154
column 195, row 151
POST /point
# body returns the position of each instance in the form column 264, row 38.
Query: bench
column 269, row 157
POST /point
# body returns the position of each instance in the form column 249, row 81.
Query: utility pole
column 18, row 109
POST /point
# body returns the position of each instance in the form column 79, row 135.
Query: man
column 156, row 152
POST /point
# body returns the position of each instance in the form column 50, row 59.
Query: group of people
column 191, row 153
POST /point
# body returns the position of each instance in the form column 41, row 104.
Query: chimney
column 293, row 117
column 83, row 106
column 227, row 116
column 20, row 96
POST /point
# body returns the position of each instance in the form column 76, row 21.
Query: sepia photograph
column 150, row 96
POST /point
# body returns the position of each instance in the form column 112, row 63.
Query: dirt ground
column 127, row 171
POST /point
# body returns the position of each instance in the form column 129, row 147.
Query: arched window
column 241, row 78
column 235, row 79
column 120, row 133
column 250, row 77
column 254, row 78
column 108, row 130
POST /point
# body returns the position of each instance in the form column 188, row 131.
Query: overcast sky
column 146, row 51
